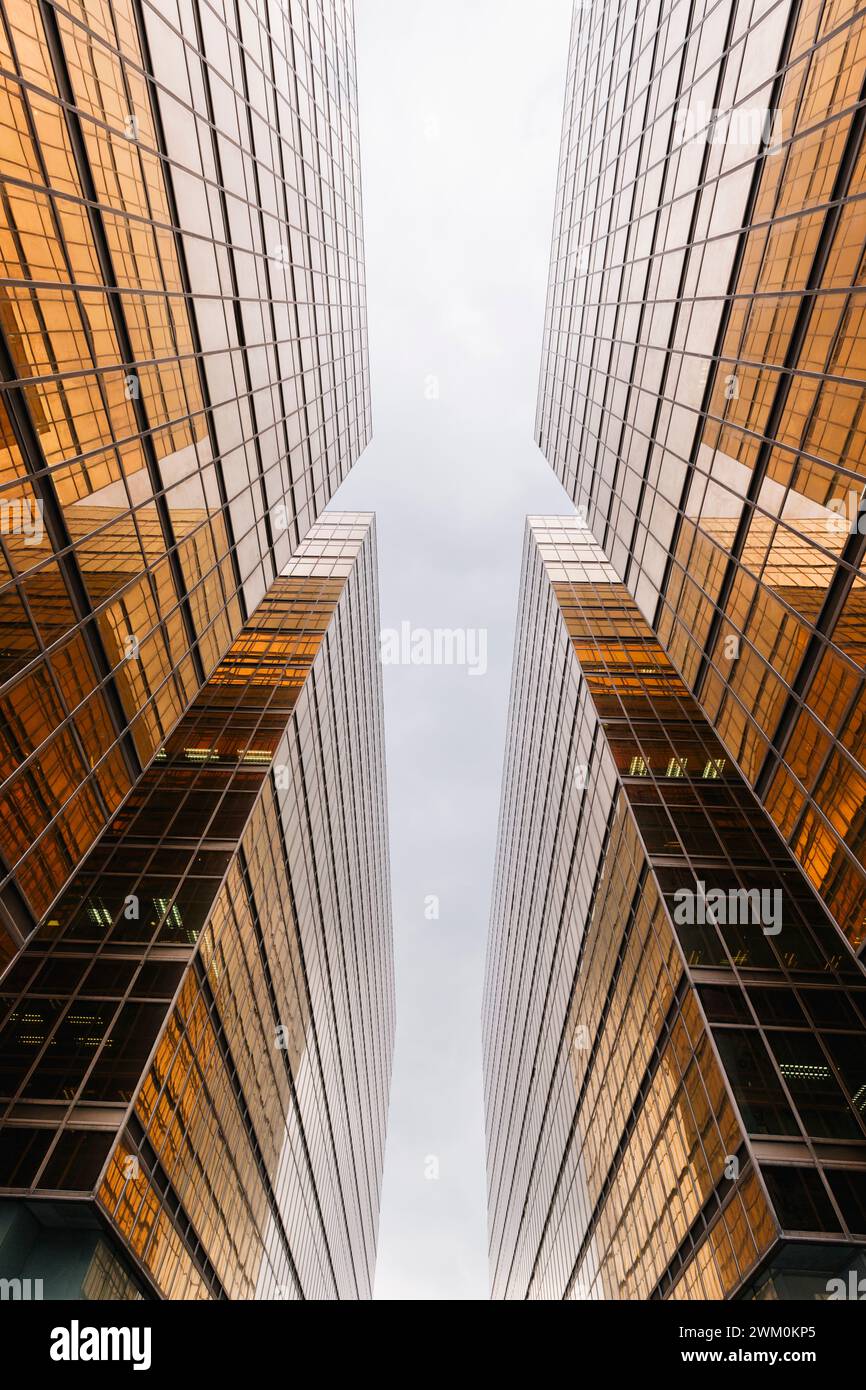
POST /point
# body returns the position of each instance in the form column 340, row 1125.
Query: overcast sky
column 460, row 107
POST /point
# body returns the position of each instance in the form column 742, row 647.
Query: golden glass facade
column 183, row 375
column 196, row 1045
column 704, row 377
column 674, row 1102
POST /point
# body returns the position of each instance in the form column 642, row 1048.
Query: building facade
column 674, row 1029
column 183, row 376
column 196, row 1045
column 193, row 832
column 703, row 378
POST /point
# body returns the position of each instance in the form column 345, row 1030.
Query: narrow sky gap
column 459, row 148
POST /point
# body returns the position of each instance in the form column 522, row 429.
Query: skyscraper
column 183, row 375
column 703, row 378
column 674, row 1026
column 197, row 1042
column 197, row 1004
column 674, row 1030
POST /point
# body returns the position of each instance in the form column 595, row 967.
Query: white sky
column 460, row 107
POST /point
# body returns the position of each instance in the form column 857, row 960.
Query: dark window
column 21, row 1152
column 756, row 1086
column 724, row 1004
column 77, row 1160
column 849, row 1189
column 817, row 1094
column 800, row 1199
column 777, row 1006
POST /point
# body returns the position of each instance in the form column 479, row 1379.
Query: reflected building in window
column 674, row 1030
column 196, row 1044
column 704, row 378
column 183, row 376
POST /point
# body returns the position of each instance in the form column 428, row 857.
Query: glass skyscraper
column 183, row 375
column 674, row 1030
column 704, row 381
column 197, row 1006
column 675, row 1106
column 196, row 1045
